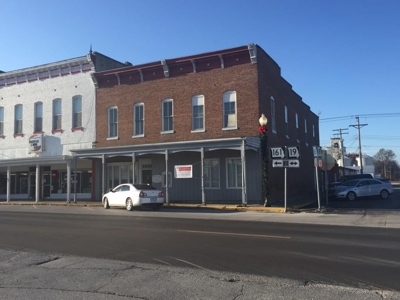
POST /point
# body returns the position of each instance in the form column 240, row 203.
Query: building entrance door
column 146, row 176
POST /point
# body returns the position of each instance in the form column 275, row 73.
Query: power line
column 383, row 115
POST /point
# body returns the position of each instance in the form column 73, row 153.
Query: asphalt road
column 353, row 256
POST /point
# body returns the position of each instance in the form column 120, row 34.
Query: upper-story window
column 1, row 121
column 230, row 120
column 38, row 126
column 305, row 131
column 273, row 120
column 167, row 115
column 198, row 113
column 286, row 122
column 113, row 122
column 57, row 116
column 138, row 119
column 18, row 116
column 297, row 127
column 76, row 111
column 313, row 134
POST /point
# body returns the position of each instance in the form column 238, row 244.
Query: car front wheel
column 351, row 196
column 105, row 203
column 384, row 194
column 129, row 204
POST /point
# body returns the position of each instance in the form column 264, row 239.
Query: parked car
column 332, row 185
column 363, row 188
column 133, row 194
column 387, row 180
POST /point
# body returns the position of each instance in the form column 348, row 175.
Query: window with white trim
column 198, row 112
column 138, row 119
column 273, row 121
column 38, row 126
column 286, row 122
column 57, row 116
column 234, row 172
column 1, row 121
column 18, row 117
column 230, row 116
column 167, row 115
column 112, row 122
column 297, row 127
column 211, row 173
column 76, row 111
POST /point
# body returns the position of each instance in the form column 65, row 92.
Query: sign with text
column 293, row 152
column 36, row 143
column 183, row 171
column 278, row 152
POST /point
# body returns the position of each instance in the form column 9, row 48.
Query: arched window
column 167, row 116
column 198, row 113
column 76, row 111
column 138, row 119
column 230, row 117
column 38, row 126
column 57, row 115
column 113, row 122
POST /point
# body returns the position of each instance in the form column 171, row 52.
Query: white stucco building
column 45, row 111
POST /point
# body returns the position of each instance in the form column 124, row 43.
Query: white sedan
column 134, row 194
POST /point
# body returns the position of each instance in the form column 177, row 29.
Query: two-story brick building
column 190, row 126
column 45, row 111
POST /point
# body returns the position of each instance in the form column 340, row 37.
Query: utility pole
column 341, row 145
column 358, row 126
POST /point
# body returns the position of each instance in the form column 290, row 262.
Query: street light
column 263, row 130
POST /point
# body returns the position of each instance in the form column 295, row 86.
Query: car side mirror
column 111, row 190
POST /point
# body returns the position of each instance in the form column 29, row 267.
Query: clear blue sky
column 342, row 57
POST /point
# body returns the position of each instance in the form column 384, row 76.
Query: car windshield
column 141, row 186
column 350, row 183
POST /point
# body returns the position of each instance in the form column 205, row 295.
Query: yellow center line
column 238, row 234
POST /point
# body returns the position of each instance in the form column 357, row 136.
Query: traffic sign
column 278, row 152
column 293, row 152
column 276, row 163
column 293, row 163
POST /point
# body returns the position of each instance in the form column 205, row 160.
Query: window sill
column 57, row 131
column 230, row 128
column 287, row 136
column 2, row 136
column 18, row 135
column 298, row 140
column 167, row 132
column 198, row 130
column 38, row 132
column 274, row 131
column 73, row 129
column 307, row 144
column 212, row 188
column 112, row 138
column 138, row 136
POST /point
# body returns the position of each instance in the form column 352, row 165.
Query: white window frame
column 115, row 122
column 237, row 159
column 18, row 120
column 207, row 164
column 57, row 115
column 77, row 112
column 297, row 127
column 135, row 120
column 286, row 122
column 229, row 119
column 166, row 115
column 198, row 101
column 273, row 119
column 1, row 121
column 38, row 116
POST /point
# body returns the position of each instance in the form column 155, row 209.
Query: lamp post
column 263, row 130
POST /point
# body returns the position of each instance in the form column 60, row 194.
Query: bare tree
column 385, row 164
